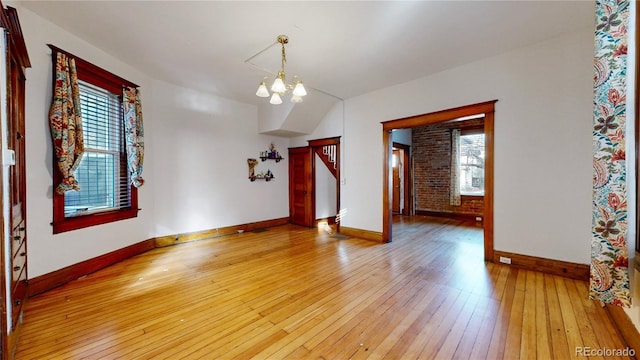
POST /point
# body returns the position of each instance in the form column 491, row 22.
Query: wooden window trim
column 471, row 197
column 95, row 75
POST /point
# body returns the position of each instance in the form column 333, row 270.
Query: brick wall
column 432, row 169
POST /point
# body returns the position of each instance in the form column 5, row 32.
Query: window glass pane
column 99, row 108
column 102, row 174
column 472, row 164
column 96, row 175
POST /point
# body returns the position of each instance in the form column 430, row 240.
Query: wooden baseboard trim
column 456, row 216
column 60, row 277
column 174, row 239
column 56, row 278
column 549, row 266
column 362, row 234
column 624, row 325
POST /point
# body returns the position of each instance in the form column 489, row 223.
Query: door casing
column 310, row 208
column 487, row 108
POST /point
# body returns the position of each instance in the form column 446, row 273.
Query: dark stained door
column 300, row 194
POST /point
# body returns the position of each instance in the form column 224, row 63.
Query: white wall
column 332, row 125
column 543, row 125
column 201, row 173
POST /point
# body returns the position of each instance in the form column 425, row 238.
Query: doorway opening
column 402, row 201
column 486, row 108
column 314, row 184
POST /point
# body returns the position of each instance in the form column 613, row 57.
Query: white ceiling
column 342, row 48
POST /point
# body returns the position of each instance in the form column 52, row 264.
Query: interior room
column 451, row 179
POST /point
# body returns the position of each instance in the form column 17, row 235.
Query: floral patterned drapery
column 609, row 280
column 454, row 186
column 65, row 122
column 134, row 134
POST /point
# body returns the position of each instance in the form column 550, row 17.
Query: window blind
column 102, row 174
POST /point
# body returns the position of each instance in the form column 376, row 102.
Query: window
column 106, row 194
column 102, row 173
column 471, row 164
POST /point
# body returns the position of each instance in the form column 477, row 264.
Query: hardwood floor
column 298, row 293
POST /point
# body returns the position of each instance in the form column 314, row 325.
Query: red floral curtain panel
column 134, row 134
column 609, row 281
column 65, row 121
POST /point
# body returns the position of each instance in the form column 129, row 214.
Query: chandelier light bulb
column 262, row 90
column 278, row 85
column 275, row 99
column 299, row 90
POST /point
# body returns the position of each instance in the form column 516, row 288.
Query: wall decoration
column 609, row 280
column 271, row 153
column 266, row 176
column 252, row 167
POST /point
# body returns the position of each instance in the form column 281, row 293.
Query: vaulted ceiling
column 344, row 48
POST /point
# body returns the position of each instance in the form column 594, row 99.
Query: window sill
column 83, row 221
column 472, row 197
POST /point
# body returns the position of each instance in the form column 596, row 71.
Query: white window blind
column 102, row 174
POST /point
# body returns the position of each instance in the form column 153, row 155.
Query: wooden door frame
column 397, row 169
column 407, row 179
column 487, row 108
column 315, row 145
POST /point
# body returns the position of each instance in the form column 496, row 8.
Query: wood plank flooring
column 297, row 293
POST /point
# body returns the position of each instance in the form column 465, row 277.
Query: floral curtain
column 454, row 188
column 65, row 121
column 134, row 134
column 609, row 280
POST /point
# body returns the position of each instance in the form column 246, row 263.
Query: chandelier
column 279, row 86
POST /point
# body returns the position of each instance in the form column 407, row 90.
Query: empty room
column 319, row 180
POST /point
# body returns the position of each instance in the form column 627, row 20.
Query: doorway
column 314, row 180
column 486, row 108
column 402, row 201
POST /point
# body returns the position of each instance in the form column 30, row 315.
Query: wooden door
column 300, row 187
column 397, row 158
